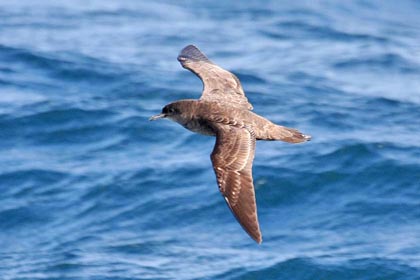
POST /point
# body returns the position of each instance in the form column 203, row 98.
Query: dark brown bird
column 224, row 111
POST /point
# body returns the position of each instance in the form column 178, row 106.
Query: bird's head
column 172, row 111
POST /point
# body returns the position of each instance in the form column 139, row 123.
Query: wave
column 298, row 29
column 384, row 63
column 65, row 66
column 301, row 268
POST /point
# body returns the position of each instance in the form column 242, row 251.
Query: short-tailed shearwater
column 224, row 111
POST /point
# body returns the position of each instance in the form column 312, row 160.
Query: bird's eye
column 170, row 110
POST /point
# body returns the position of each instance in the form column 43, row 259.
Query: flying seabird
column 224, row 111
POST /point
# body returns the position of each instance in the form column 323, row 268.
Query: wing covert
column 219, row 85
column 232, row 159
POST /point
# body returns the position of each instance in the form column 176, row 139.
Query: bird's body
column 224, row 111
column 200, row 116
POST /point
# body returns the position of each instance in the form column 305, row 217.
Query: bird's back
column 228, row 115
column 263, row 129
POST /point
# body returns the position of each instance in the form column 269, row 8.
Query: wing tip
column 255, row 235
column 191, row 52
column 258, row 239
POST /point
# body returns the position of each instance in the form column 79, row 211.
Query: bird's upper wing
column 218, row 84
column 232, row 162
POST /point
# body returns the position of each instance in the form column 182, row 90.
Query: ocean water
column 90, row 189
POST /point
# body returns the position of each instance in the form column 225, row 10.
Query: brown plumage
column 224, row 111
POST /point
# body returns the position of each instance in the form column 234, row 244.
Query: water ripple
column 90, row 189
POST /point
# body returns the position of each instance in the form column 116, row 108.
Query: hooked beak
column 160, row 116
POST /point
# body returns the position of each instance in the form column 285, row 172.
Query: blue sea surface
column 90, row 189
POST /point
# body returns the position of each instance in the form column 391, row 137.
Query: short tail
column 295, row 136
column 286, row 134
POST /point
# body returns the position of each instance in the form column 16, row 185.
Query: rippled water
column 90, row 189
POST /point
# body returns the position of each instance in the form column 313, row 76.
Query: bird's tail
column 286, row 134
column 292, row 136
